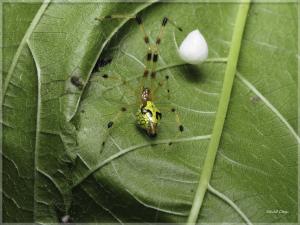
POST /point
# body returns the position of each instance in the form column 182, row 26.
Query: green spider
column 148, row 116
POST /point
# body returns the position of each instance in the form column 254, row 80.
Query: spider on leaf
column 147, row 116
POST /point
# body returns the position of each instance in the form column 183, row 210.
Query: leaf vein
column 135, row 147
column 26, row 37
column 230, row 202
column 268, row 104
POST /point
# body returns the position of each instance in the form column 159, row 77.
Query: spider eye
column 158, row 115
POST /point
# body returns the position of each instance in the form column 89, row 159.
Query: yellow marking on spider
column 148, row 117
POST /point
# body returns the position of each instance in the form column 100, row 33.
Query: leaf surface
column 65, row 45
column 96, row 174
column 19, row 113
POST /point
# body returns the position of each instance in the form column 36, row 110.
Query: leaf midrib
column 221, row 112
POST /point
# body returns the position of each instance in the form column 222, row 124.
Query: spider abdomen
column 148, row 117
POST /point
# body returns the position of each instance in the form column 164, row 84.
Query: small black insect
column 75, row 80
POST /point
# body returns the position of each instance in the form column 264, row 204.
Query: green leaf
column 65, row 44
column 19, row 113
column 96, row 174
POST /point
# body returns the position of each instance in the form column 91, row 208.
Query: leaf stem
column 221, row 112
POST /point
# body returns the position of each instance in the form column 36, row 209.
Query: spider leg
column 126, row 91
column 110, row 124
column 137, row 18
column 180, row 127
column 163, row 24
column 109, row 127
column 156, row 49
column 149, row 57
column 162, row 83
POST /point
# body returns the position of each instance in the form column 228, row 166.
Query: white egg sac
column 193, row 49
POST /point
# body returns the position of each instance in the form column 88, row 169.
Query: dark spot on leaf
column 110, row 124
column 104, row 62
column 101, row 63
column 75, row 80
column 138, row 19
column 164, row 22
column 181, row 128
column 255, row 99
